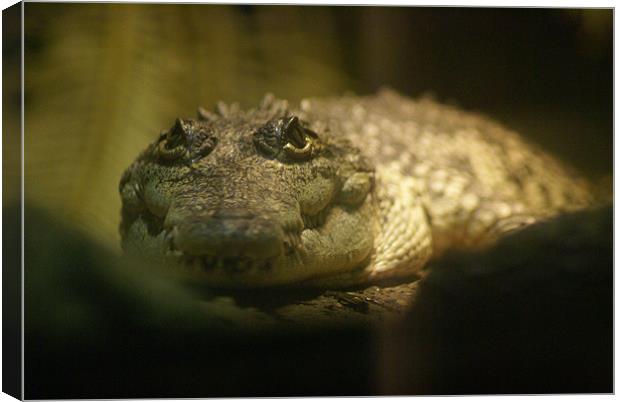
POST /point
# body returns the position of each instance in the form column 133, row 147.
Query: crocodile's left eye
column 174, row 144
column 186, row 139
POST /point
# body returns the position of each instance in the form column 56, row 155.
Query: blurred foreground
column 532, row 315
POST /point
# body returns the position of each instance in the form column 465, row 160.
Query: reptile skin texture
column 336, row 191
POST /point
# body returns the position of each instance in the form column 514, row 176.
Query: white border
column 459, row 3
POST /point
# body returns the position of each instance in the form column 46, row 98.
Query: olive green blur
column 102, row 80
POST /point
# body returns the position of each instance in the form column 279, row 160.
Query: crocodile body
column 336, row 191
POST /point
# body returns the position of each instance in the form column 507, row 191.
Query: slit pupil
column 295, row 133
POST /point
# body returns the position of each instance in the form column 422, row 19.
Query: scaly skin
column 334, row 192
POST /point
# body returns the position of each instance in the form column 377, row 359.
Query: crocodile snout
column 230, row 235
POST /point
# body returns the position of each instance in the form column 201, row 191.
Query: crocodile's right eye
column 174, row 144
column 286, row 139
column 300, row 142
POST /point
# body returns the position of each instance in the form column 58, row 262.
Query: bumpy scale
column 335, row 192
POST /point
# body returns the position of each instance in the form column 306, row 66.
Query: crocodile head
column 250, row 198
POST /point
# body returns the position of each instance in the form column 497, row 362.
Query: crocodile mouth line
column 233, row 265
column 230, row 264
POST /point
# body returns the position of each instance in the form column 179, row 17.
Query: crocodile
column 334, row 192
